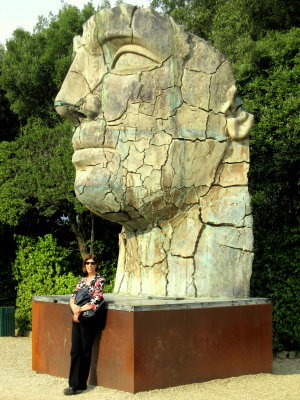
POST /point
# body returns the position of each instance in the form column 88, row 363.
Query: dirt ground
column 19, row 382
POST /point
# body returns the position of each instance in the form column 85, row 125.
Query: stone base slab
column 156, row 343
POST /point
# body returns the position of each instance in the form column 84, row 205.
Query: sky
column 24, row 13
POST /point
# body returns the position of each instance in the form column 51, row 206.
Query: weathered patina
column 161, row 148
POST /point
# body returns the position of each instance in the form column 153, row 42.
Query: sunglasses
column 89, row 262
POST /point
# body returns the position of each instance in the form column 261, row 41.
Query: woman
column 84, row 330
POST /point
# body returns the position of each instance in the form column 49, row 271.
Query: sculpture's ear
column 238, row 127
column 238, row 122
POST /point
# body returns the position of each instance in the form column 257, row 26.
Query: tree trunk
column 77, row 227
column 92, row 233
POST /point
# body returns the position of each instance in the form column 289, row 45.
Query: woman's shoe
column 70, row 391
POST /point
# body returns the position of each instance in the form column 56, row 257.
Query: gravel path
column 19, row 382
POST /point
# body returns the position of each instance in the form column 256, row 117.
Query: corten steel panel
column 115, row 367
column 155, row 349
column 113, row 352
column 185, row 346
column 51, row 334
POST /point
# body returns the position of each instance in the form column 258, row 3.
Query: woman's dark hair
column 89, row 257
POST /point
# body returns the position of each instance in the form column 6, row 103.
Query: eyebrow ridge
column 135, row 49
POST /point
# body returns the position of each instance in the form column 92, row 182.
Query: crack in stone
column 220, row 65
column 209, row 88
column 236, row 248
column 131, row 21
column 236, row 162
column 193, row 278
column 223, row 224
column 229, row 186
column 190, row 53
column 179, row 256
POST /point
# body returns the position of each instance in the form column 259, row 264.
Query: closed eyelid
column 135, row 49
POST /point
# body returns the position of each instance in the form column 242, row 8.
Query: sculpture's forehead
column 125, row 25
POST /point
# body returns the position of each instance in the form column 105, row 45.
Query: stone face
column 237, row 152
column 226, row 206
column 115, row 103
column 192, row 123
column 180, row 277
column 154, row 31
column 161, row 147
column 195, row 89
column 134, row 160
column 205, row 58
column 156, row 156
column 223, row 265
column 150, row 249
column 192, row 163
column 184, row 238
column 153, row 280
column 221, row 82
column 233, row 174
column 216, row 126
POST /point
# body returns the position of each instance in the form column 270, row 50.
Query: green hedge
column 40, row 268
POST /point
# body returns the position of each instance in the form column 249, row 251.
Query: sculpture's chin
column 99, row 200
column 99, row 190
column 110, row 203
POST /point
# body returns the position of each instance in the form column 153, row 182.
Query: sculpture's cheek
column 117, row 91
column 99, row 180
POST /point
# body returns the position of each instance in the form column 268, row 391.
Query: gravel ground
column 19, row 382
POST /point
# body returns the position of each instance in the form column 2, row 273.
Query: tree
column 34, row 65
column 8, row 121
column 36, row 171
column 273, row 96
column 196, row 16
column 37, row 176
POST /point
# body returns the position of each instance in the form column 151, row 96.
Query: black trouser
column 83, row 336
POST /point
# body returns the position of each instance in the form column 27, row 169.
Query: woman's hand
column 76, row 310
column 76, row 316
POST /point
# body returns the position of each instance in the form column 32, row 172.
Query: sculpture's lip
column 91, row 156
column 86, row 146
column 88, row 135
column 94, row 148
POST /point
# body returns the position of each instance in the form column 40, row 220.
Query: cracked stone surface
column 160, row 147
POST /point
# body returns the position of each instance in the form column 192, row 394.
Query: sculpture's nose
column 75, row 101
column 69, row 111
column 85, row 108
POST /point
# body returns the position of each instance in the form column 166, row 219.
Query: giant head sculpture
column 160, row 147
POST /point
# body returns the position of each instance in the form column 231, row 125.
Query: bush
column 40, row 268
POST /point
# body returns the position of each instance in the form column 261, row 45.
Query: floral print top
column 95, row 289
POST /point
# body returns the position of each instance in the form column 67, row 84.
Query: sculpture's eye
column 133, row 58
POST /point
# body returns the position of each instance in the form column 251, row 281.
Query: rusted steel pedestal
column 156, row 343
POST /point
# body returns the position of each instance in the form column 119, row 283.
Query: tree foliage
column 8, row 120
